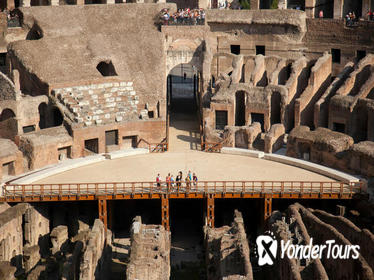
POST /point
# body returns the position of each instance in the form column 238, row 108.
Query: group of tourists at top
column 183, row 16
column 171, row 182
column 351, row 18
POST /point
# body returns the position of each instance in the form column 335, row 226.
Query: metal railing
column 154, row 147
column 182, row 21
column 213, row 147
column 203, row 187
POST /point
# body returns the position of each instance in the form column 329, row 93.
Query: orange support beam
column 103, row 212
column 210, row 210
column 267, row 207
column 165, row 212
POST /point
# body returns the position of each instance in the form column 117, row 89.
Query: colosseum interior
column 270, row 105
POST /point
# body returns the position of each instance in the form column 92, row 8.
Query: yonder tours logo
column 267, row 247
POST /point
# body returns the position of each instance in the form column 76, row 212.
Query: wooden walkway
column 208, row 190
column 149, row 190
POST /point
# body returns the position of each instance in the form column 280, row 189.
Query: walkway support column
column 103, row 213
column 165, row 212
column 267, row 207
column 210, row 210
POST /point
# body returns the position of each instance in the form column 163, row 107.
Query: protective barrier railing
column 211, row 147
column 155, row 147
column 206, row 187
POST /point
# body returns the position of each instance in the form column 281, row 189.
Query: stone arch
column 49, row 116
column 184, row 51
column 7, row 114
column 106, row 68
column 182, row 84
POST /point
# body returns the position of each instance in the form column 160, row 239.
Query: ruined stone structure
column 331, row 148
column 150, row 252
column 78, row 80
column 227, row 251
column 301, row 225
column 109, row 99
column 25, row 239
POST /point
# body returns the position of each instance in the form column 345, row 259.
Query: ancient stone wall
column 321, row 108
column 41, row 148
column 7, row 271
column 11, row 235
column 332, row 149
column 94, row 258
column 7, row 89
column 350, row 268
column 300, row 225
column 318, row 82
column 10, row 159
column 59, row 239
column 354, row 234
column 274, row 139
column 227, row 251
column 150, row 252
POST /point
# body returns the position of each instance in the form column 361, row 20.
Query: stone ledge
column 242, row 152
column 58, row 168
column 126, row 153
column 320, row 169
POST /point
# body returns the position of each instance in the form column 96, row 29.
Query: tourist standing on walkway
column 179, row 179
column 172, row 181
column 168, row 181
column 190, row 175
column 194, row 178
column 158, row 180
column 188, row 183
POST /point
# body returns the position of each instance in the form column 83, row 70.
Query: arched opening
column 182, row 100
column 106, row 68
column 6, row 114
column 268, row 4
column 296, row 4
column 35, row 33
column 8, row 124
column 326, row 6
column 182, row 82
column 353, row 6
column 39, row 2
column 49, row 116
column 43, row 108
column 57, row 116
column 240, row 108
column 275, row 108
